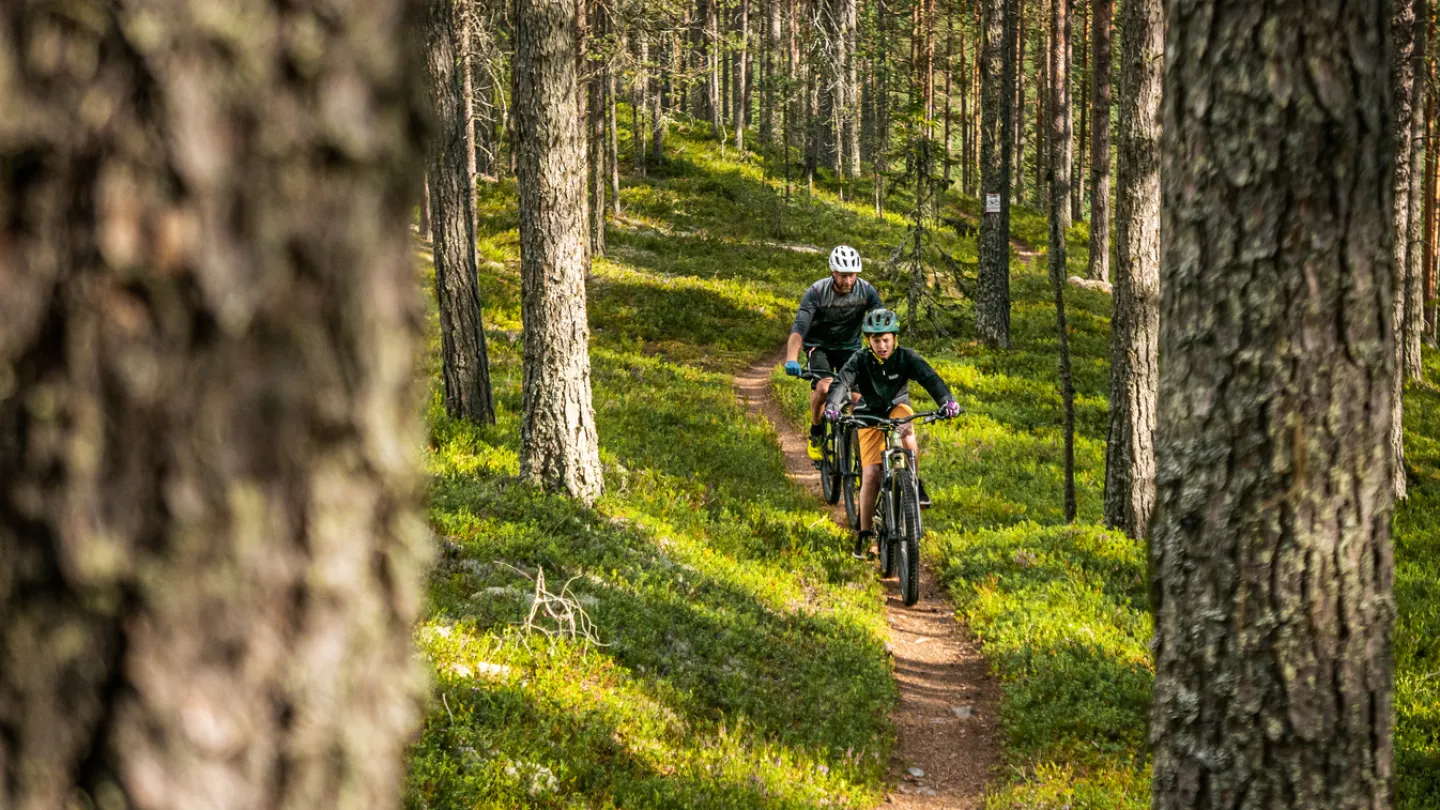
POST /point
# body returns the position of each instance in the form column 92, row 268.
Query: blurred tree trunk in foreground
column 208, row 420
column 1271, row 554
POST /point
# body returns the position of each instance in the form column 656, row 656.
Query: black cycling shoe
column 924, row 497
column 862, row 545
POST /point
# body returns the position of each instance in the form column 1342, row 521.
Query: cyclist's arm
column 804, row 317
column 844, row 382
column 795, row 346
column 923, row 373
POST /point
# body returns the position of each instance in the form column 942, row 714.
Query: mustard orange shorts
column 872, row 440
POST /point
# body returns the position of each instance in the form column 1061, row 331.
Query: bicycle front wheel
column 907, row 536
column 850, row 475
column 830, row 466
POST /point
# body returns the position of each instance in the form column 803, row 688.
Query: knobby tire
column 907, row 536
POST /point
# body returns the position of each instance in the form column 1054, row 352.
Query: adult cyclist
column 881, row 374
column 827, row 330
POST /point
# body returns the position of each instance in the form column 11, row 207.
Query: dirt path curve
column 945, row 718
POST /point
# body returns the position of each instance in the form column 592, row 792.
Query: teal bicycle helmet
column 878, row 321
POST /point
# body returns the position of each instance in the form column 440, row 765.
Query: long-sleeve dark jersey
column 832, row 321
column 882, row 384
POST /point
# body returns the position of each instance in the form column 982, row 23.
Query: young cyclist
column 881, row 373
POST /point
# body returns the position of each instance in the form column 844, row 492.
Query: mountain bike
column 836, row 458
column 897, row 504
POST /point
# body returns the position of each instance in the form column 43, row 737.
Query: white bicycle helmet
column 844, row 259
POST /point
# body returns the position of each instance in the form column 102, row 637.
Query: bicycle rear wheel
column 907, row 536
column 850, row 475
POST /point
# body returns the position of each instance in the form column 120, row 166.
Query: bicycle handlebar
column 882, row 422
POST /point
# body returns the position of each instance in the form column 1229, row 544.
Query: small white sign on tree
column 992, row 203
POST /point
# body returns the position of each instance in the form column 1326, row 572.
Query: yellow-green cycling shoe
column 813, row 448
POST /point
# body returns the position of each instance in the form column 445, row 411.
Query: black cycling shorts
column 826, row 362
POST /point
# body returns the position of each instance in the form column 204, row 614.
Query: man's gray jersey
column 830, row 320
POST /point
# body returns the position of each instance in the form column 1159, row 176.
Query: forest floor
column 735, row 656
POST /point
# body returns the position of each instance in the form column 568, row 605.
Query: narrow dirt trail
column 945, row 718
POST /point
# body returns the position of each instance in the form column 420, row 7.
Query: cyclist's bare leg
column 869, row 489
column 817, row 400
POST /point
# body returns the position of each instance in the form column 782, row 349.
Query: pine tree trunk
column 1017, row 161
column 464, row 357
column 713, row 57
column 1042, row 106
column 659, row 79
column 965, row 91
column 1135, row 322
column 1414, row 292
column 742, row 90
column 992, row 305
column 1079, row 77
column 1099, row 268
column 1403, row 81
column 640, row 100
column 425, row 230
column 949, row 73
column 852, row 89
column 882, row 110
column 1063, row 159
column 210, row 526
column 558, row 445
column 1271, row 554
column 771, row 97
column 1432, row 197
column 612, row 140
column 464, row 12
column 1059, row 211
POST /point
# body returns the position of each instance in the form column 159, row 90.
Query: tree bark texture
column 1102, row 14
column 1042, row 69
column 1271, row 552
column 1413, row 275
column 593, row 86
column 1432, row 184
column 1059, row 211
column 850, row 140
column 772, row 98
column 1135, row 322
column 464, row 355
column 1061, row 160
column 612, row 139
column 464, row 15
column 742, row 76
column 1403, row 85
column 558, row 445
column 992, row 305
column 1018, row 116
column 209, row 526
column 1079, row 79
column 712, row 58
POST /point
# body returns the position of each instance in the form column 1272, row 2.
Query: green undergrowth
column 1417, row 596
column 734, row 656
